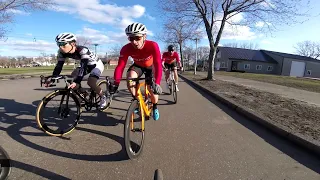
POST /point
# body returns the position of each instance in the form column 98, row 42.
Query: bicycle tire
column 42, row 105
column 158, row 175
column 174, row 92
column 127, row 129
column 110, row 97
column 5, row 164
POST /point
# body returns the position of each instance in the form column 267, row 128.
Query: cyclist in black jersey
column 89, row 63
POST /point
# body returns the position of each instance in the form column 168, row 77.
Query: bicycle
column 142, row 107
column 172, row 86
column 5, row 164
column 78, row 96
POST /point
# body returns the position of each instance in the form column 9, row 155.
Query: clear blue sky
column 104, row 21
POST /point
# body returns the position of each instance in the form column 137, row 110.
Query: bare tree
column 189, row 55
column 83, row 41
column 178, row 32
column 8, row 8
column 215, row 14
column 115, row 50
column 4, row 61
column 308, row 48
column 250, row 45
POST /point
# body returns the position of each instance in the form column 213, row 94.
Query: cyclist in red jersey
column 170, row 60
column 146, row 56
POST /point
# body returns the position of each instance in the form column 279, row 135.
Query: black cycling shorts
column 147, row 71
column 170, row 66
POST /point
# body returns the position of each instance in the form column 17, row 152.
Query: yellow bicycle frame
column 144, row 109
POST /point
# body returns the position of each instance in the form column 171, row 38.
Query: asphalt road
column 198, row 138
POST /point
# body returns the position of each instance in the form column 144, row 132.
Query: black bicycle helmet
column 171, row 48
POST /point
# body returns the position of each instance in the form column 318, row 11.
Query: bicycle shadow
column 10, row 163
column 35, row 170
column 15, row 117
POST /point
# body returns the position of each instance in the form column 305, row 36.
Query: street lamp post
column 196, row 61
column 95, row 48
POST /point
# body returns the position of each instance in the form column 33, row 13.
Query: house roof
column 292, row 56
column 246, row 54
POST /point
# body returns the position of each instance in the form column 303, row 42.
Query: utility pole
column 107, row 60
column 195, row 63
column 95, row 48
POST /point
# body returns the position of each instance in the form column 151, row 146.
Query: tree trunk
column 211, row 58
column 213, row 47
column 181, row 55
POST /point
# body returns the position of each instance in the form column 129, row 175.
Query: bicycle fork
column 64, row 112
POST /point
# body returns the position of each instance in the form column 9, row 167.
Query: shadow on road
column 36, row 170
column 297, row 153
column 15, row 116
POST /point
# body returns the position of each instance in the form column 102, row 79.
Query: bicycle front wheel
column 58, row 113
column 133, row 132
column 5, row 165
column 174, row 92
column 158, row 175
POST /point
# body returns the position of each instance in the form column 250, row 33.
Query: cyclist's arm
column 82, row 70
column 178, row 59
column 157, row 63
column 57, row 70
column 123, row 58
column 86, row 55
column 163, row 60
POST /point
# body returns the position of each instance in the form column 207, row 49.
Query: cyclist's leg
column 167, row 73
column 95, row 74
column 154, row 97
column 134, row 71
column 175, row 70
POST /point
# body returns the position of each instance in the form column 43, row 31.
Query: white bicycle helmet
column 136, row 29
column 66, row 37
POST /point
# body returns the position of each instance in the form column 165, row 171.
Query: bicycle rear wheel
column 53, row 120
column 133, row 133
column 104, row 87
column 5, row 165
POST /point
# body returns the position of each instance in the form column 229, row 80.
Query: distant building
column 266, row 62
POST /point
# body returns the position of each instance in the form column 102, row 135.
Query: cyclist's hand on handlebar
column 156, row 88
column 181, row 68
column 48, row 83
column 72, row 85
column 164, row 69
column 113, row 88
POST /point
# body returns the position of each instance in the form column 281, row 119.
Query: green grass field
column 35, row 70
column 299, row 83
column 31, row 70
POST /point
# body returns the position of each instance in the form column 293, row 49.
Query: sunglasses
column 135, row 38
column 61, row 44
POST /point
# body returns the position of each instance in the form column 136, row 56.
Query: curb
column 296, row 139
